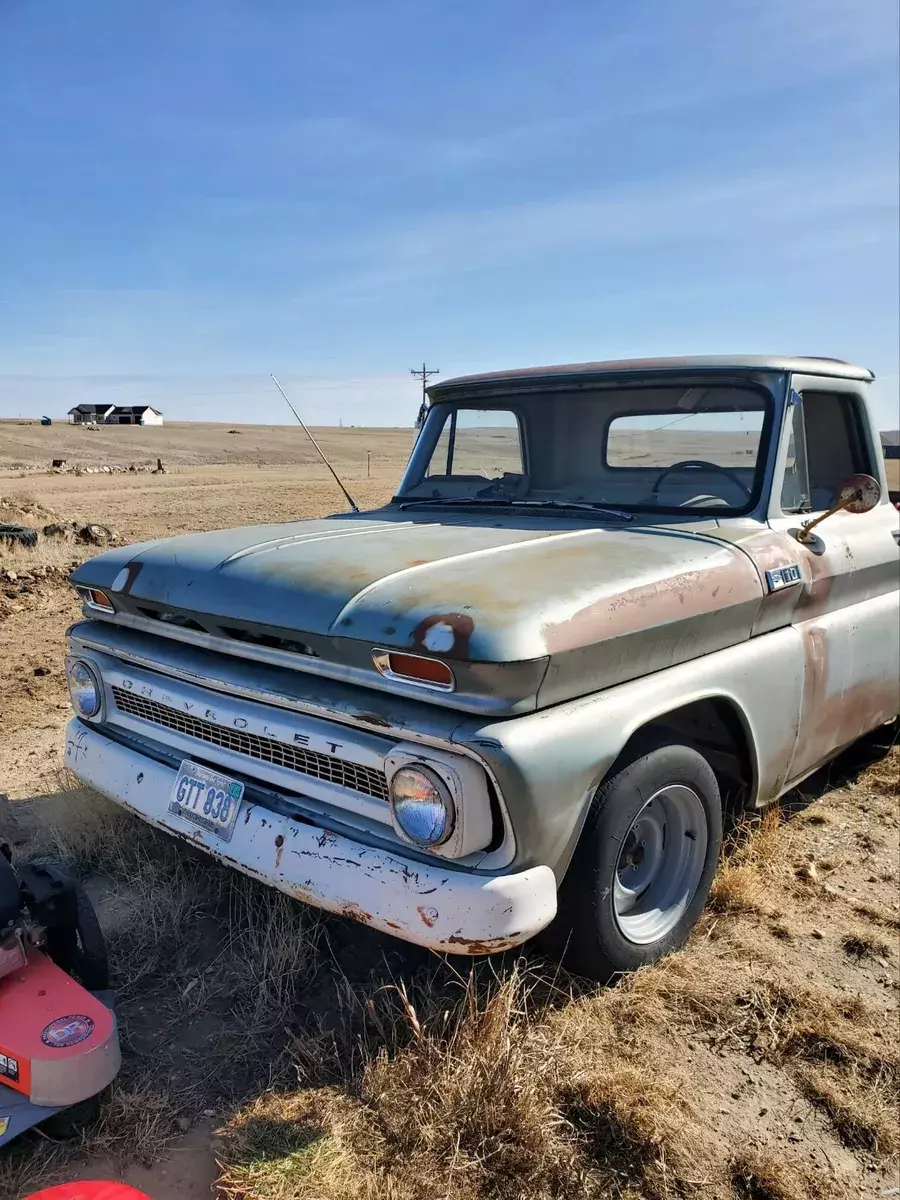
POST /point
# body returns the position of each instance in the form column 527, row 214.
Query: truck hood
column 491, row 588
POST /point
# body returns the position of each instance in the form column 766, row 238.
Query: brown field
column 198, row 444
column 271, row 1053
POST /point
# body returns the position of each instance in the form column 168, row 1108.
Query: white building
column 134, row 414
column 115, row 414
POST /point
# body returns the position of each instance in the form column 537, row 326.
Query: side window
column 484, row 443
column 795, row 488
column 826, row 446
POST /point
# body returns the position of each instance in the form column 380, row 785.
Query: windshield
column 672, row 447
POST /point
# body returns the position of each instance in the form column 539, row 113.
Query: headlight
column 84, row 688
column 422, row 805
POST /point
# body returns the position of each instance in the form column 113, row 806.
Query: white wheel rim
column 660, row 864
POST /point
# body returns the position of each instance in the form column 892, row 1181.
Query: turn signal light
column 414, row 668
column 96, row 599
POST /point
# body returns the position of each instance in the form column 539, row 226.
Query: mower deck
column 58, row 1044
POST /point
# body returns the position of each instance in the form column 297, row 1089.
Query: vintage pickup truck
column 606, row 602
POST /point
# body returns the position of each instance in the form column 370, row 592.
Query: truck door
column 848, row 609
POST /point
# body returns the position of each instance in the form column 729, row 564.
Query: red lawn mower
column 59, row 1048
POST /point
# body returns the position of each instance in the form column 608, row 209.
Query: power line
column 424, row 374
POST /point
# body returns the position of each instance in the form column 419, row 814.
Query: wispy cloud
column 762, row 211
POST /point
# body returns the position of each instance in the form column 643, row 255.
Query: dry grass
column 53, row 555
column 743, row 882
column 864, row 945
column 762, row 1175
column 883, row 776
column 878, row 915
column 863, row 1112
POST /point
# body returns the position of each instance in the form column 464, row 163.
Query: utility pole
column 424, row 374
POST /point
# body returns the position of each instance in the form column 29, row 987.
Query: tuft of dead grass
column 865, row 945
column 761, row 1175
column 53, row 555
column 878, row 915
column 883, row 776
column 75, row 823
column 743, row 881
column 862, row 1112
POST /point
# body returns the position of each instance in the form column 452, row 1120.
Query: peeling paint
column 447, row 634
column 355, row 913
column 494, row 945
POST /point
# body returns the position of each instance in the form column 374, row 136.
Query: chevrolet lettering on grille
column 294, row 750
column 205, row 713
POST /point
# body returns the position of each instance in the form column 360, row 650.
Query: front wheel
column 644, row 865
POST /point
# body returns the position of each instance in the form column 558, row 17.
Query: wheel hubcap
column 660, row 864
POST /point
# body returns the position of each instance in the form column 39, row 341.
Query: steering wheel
column 700, row 464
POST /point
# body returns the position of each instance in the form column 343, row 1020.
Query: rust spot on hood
column 731, row 581
column 445, row 634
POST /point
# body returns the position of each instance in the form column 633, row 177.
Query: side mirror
column 858, row 494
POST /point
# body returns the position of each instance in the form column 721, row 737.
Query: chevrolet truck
column 607, row 602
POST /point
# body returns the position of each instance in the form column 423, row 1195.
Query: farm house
column 115, row 414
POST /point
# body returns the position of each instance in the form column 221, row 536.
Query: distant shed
column 46, row 421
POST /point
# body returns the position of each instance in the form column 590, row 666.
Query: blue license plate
column 207, row 799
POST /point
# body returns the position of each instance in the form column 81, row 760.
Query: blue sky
column 198, row 192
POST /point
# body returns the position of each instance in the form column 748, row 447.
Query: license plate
column 207, row 799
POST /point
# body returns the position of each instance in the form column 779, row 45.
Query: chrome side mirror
column 858, row 494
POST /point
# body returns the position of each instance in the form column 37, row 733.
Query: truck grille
column 295, row 758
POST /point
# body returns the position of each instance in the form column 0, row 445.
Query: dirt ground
column 270, row 1053
column 28, row 445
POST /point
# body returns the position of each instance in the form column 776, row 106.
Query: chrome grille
column 295, row 758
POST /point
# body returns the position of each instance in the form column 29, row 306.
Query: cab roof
column 836, row 368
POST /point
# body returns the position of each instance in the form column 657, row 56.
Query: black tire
column 82, row 951
column 70, row 1122
column 587, row 934
column 18, row 535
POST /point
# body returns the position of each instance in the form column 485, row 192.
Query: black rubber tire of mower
column 70, row 1122
column 587, row 934
column 84, row 957
column 18, row 535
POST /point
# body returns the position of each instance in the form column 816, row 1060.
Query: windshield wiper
column 438, row 500
column 588, row 505
column 500, row 502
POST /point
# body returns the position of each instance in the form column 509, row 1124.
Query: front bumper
column 448, row 910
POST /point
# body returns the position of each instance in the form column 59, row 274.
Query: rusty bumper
column 451, row 911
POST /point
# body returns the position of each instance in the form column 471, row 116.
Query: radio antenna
column 350, row 499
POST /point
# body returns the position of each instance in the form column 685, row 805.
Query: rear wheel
column 644, row 865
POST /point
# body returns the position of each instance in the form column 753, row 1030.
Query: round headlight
column 84, row 688
column 423, row 807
